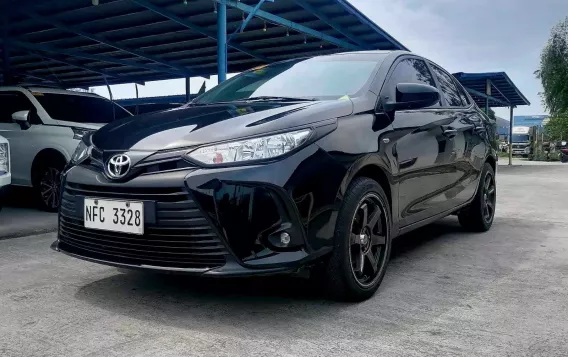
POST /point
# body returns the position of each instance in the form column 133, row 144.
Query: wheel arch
column 377, row 171
column 45, row 156
column 491, row 161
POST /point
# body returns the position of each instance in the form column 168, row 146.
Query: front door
column 423, row 148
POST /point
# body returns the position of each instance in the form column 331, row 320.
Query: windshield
column 80, row 109
column 326, row 77
column 517, row 138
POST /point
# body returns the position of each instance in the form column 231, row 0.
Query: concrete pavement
column 446, row 293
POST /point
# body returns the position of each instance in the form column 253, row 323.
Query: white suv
column 44, row 126
column 5, row 177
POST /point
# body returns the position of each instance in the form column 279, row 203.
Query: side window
column 463, row 95
column 11, row 102
column 409, row 70
column 448, row 87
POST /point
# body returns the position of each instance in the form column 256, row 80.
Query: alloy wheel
column 49, row 187
column 489, row 198
column 368, row 238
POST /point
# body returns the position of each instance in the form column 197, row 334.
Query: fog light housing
column 284, row 239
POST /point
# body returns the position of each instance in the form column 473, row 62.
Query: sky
column 459, row 35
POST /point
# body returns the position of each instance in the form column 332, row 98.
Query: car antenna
column 111, row 100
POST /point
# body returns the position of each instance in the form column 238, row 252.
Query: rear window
column 80, row 109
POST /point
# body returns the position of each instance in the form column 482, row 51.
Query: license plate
column 114, row 215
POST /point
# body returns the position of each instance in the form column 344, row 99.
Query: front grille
column 181, row 236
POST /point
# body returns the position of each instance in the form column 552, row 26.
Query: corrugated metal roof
column 72, row 43
column 502, row 88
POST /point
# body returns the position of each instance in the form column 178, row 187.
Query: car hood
column 93, row 126
column 196, row 125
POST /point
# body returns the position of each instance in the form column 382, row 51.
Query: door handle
column 449, row 132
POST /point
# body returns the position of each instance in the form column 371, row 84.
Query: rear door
column 423, row 147
column 468, row 147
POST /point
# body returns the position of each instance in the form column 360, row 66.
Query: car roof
column 51, row 90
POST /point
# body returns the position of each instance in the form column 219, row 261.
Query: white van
column 44, row 127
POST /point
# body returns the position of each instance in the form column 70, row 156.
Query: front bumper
column 5, row 181
column 235, row 215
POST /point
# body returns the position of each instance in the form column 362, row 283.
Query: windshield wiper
column 267, row 98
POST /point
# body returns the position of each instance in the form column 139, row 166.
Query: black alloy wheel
column 367, row 240
column 489, row 197
column 479, row 214
column 49, row 187
column 362, row 245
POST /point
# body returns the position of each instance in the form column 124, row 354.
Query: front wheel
column 478, row 216
column 362, row 243
column 48, row 186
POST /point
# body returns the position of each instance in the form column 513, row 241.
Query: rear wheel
column 47, row 184
column 362, row 243
column 478, row 216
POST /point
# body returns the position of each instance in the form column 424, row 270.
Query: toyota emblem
column 118, row 166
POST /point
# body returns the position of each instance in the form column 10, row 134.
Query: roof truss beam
column 190, row 25
column 483, row 95
column 76, row 65
column 320, row 15
column 93, row 57
column 290, row 24
column 104, row 41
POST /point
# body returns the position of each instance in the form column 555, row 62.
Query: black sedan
column 312, row 164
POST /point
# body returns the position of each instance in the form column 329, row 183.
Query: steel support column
column 511, row 118
column 222, row 41
column 187, row 89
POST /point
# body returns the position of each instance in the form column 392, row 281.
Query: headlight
column 81, row 153
column 4, row 158
column 265, row 147
column 78, row 133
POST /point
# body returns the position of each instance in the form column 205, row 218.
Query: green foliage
column 557, row 127
column 553, row 73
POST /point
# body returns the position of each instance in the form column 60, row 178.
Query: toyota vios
column 315, row 163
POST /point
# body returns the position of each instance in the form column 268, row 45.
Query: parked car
column 5, row 176
column 44, row 126
column 562, row 147
column 317, row 163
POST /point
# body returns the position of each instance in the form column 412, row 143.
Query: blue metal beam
column 292, row 25
column 221, row 42
column 250, row 16
column 483, row 95
column 320, row 15
column 73, row 53
column 190, row 25
column 100, row 39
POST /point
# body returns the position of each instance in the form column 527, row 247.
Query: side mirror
column 413, row 96
column 22, row 118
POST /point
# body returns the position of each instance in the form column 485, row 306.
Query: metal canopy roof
column 72, row 43
column 503, row 93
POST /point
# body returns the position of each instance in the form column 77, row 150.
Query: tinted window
column 11, row 102
column 80, row 109
column 448, row 87
column 325, row 77
column 409, row 70
column 463, row 96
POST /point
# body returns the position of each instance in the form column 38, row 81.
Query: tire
column 349, row 274
column 47, row 184
column 479, row 214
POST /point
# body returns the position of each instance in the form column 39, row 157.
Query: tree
column 491, row 114
column 553, row 74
